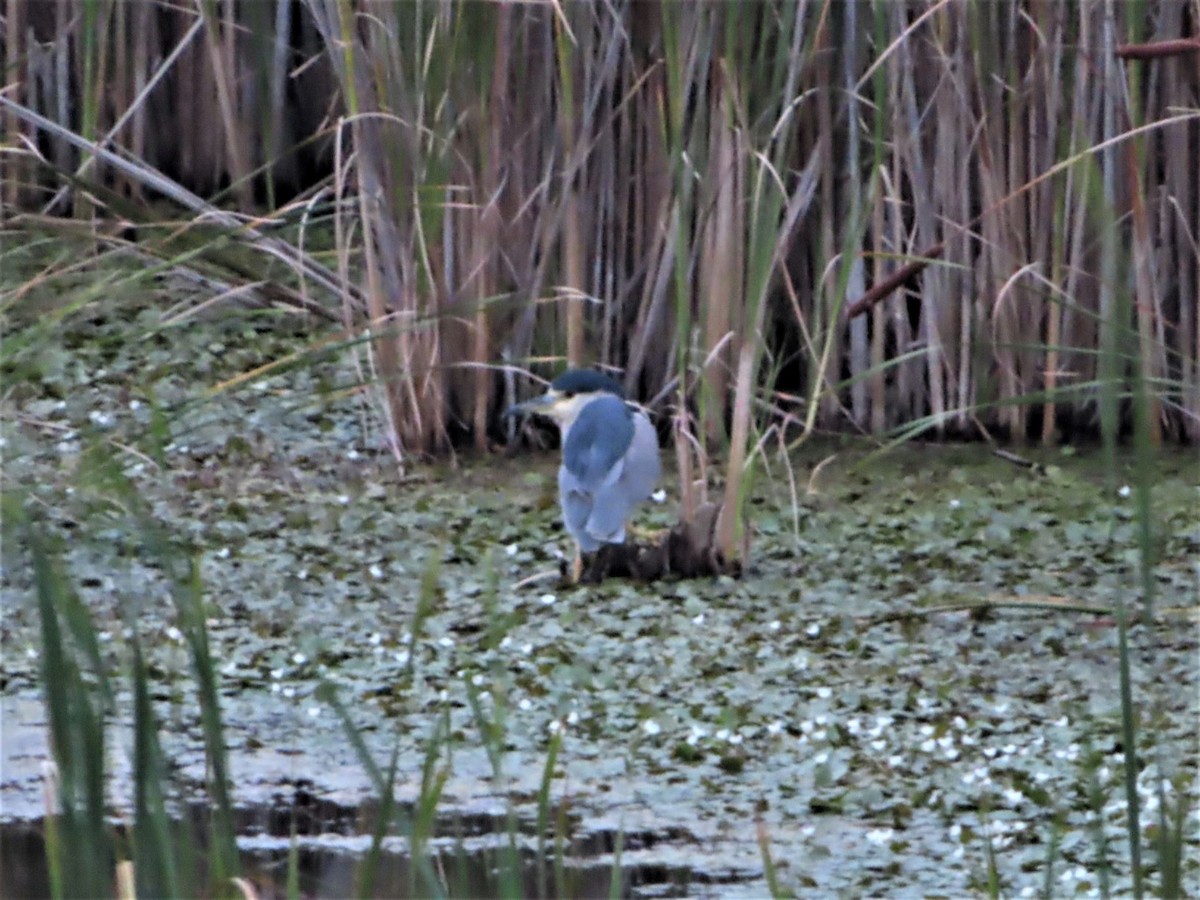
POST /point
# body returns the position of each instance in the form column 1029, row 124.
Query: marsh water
column 917, row 671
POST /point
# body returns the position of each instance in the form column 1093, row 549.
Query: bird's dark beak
column 529, row 407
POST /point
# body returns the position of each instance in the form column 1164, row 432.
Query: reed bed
column 892, row 217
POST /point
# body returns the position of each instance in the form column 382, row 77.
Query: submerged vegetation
column 270, row 271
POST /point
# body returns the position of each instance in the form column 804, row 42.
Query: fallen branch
column 1158, row 49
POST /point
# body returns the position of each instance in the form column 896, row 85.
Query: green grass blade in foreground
column 179, row 565
column 80, row 849
column 292, row 891
column 543, row 813
column 491, row 732
column 1091, row 762
column 327, row 693
column 433, row 781
column 764, row 849
column 387, row 799
column 1170, row 840
column 616, row 878
column 153, row 847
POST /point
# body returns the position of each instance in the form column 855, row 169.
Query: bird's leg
column 577, row 565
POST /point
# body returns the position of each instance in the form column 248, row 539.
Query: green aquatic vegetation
column 914, row 666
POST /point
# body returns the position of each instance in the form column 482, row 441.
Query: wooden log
column 687, row 550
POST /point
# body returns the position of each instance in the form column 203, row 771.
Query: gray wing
column 597, row 440
column 592, row 454
column 635, row 480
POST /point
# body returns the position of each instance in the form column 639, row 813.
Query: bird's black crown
column 586, row 381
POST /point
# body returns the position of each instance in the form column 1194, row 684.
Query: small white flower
column 302, row 574
column 223, row 553
column 955, row 503
column 401, row 657
column 735, row 739
column 824, row 692
column 698, row 619
column 774, row 626
column 572, row 717
column 289, row 692
column 659, row 496
column 547, row 599
column 813, row 630
column 375, row 639
column 895, row 761
column 344, row 499
column 524, row 704
column 879, row 744
column 31, row 652
column 314, row 711
column 505, row 642
column 928, row 745
column 299, row 658
column 375, row 570
column 174, row 633
column 446, row 641
column 880, row 835
column 135, row 404
column 527, row 649
column 477, row 679
column 651, row 727
column 511, row 549
column 555, row 727
column 960, row 723
column 1124, row 491
column 775, row 727
column 722, row 734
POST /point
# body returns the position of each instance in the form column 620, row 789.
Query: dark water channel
column 473, row 857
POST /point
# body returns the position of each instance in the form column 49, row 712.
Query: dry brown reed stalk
column 573, row 182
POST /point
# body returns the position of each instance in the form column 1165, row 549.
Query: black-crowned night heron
column 609, row 455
